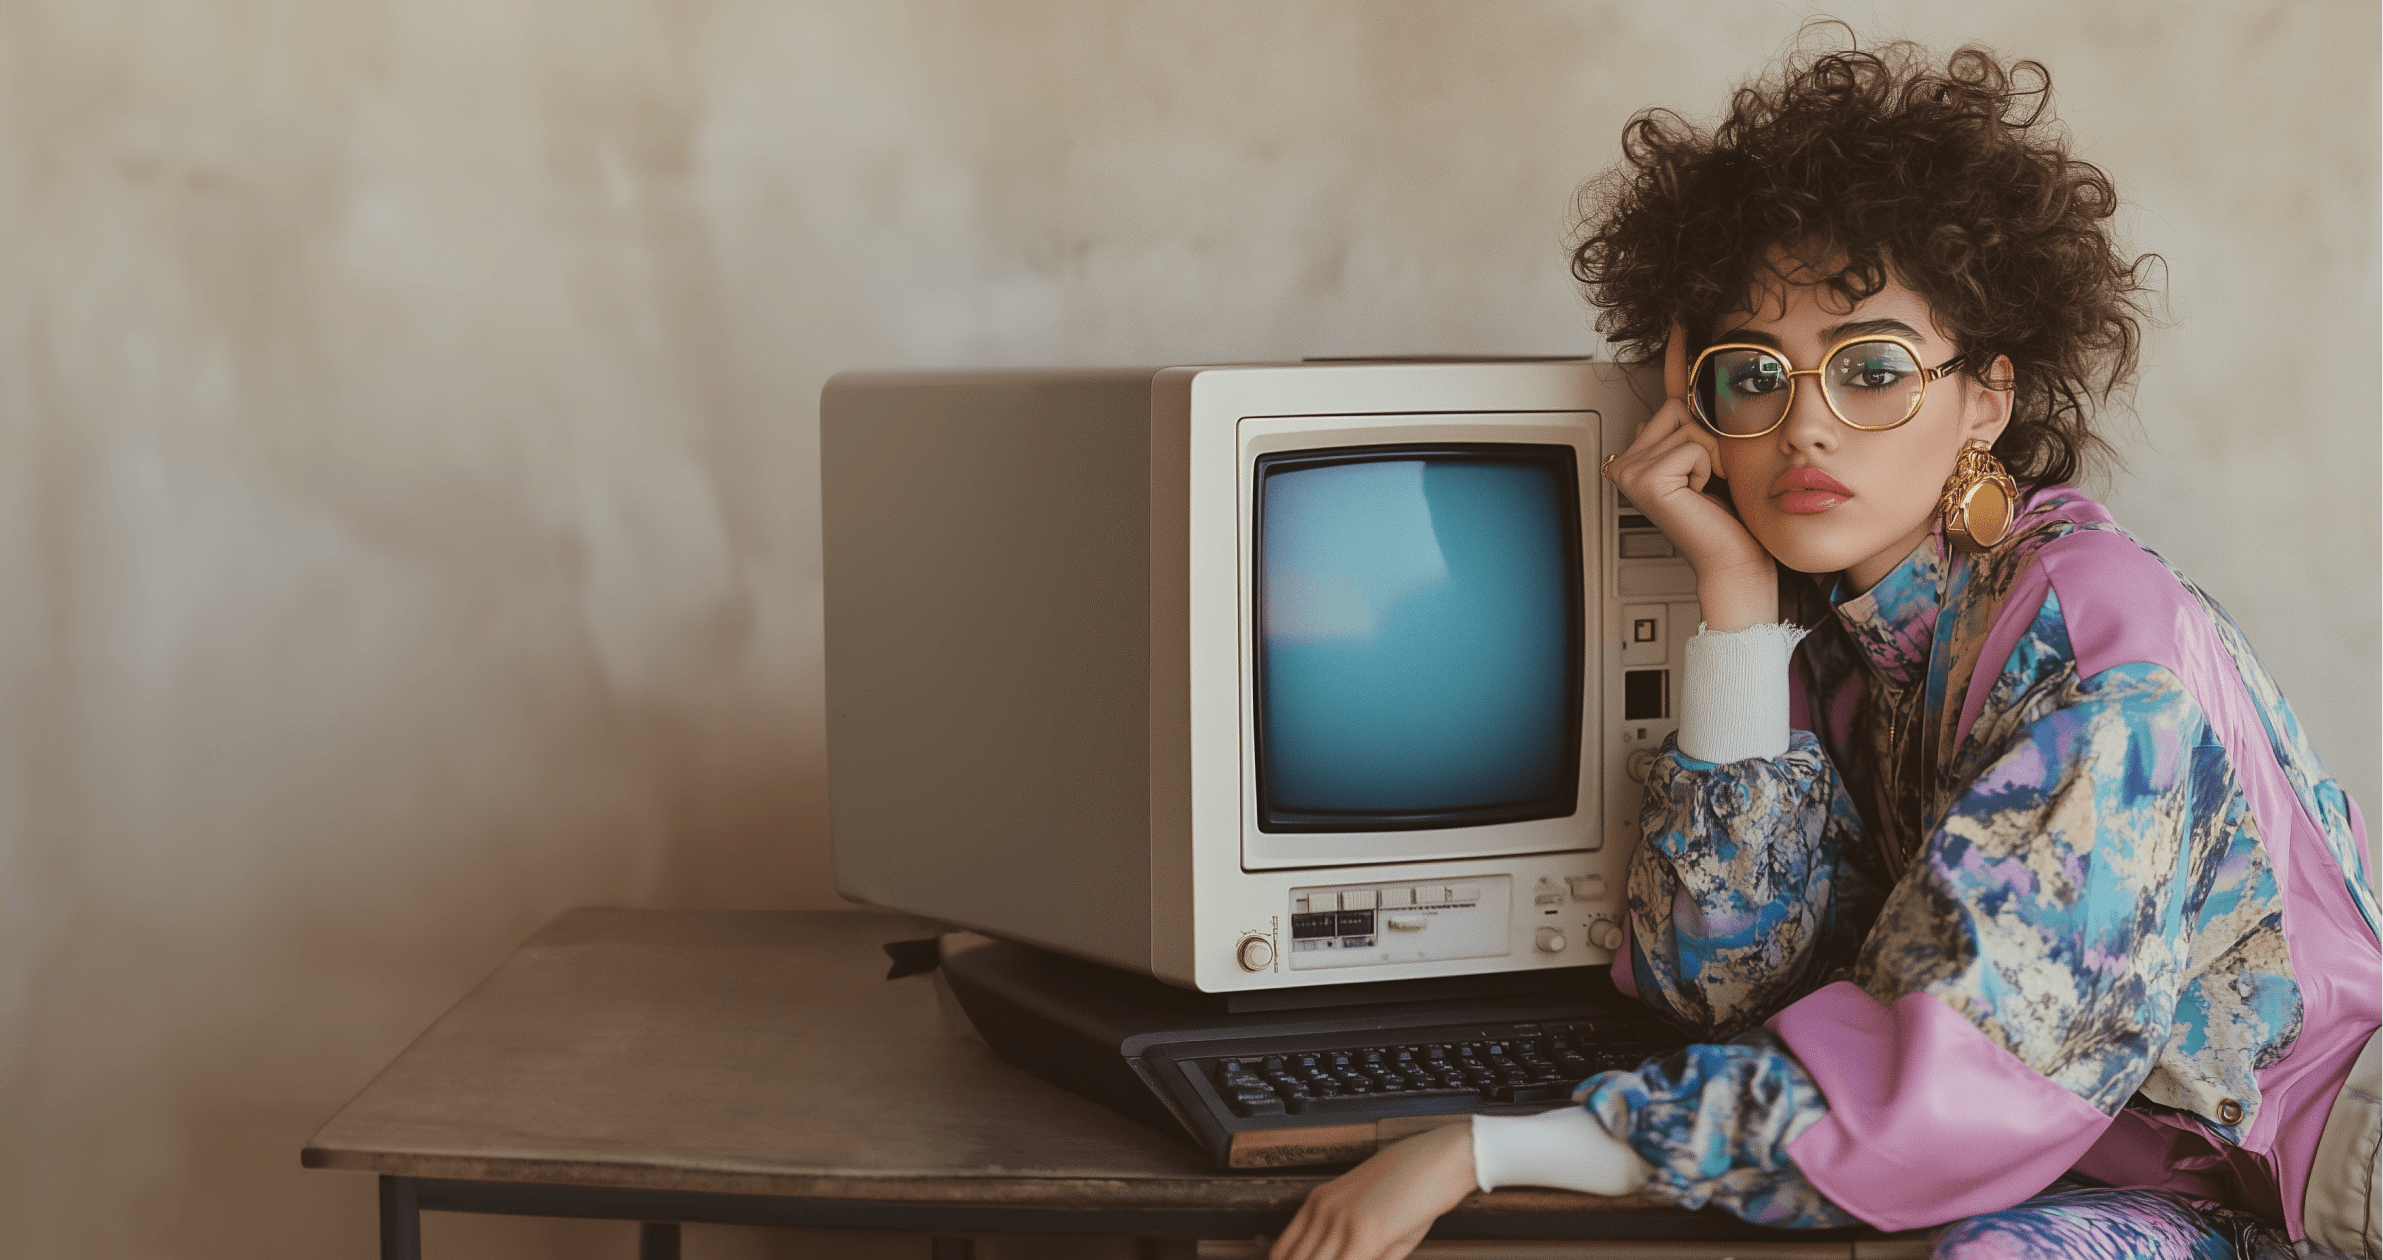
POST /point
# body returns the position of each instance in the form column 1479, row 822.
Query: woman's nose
column 1810, row 425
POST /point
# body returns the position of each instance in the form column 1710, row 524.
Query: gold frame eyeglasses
column 1927, row 375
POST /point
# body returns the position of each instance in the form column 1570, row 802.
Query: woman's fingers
column 1675, row 363
column 1329, row 1226
column 1306, row 1238
column 1299, row 1237
column 1320, row 1231
column 1703, row 439
column 1668, row 418
column 1645, row 471
column 1382, row 1208
column 1655, row 433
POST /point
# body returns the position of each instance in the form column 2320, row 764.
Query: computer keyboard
column 1316, row 1099
column 1294, row 1087
column 1470, row 1069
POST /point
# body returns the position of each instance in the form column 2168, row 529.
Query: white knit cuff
column 1566, row 1148
column 1733, row 692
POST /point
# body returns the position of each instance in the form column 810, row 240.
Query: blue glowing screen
column 1419, row 637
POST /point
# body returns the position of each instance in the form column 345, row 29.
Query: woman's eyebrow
column 1828, row 336
column 1872, row 327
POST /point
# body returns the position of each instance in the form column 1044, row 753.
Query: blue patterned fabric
column 1687, row 1117
column 2073, row 1222
column 2080, row 878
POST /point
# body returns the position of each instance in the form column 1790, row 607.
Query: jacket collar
column 1895, row 621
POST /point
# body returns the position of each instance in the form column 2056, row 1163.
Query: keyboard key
column 1254, row 1102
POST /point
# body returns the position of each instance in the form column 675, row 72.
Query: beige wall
column 408, row 503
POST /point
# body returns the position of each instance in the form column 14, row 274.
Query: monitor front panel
column 1396, row 755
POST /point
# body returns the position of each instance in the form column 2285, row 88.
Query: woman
column 2009, row 899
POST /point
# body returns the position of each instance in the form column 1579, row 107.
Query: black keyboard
column 1276, row 1088
column 1526, row 1065
column 1260, row 1095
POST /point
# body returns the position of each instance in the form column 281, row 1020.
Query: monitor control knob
column 1605, row 934
column 1551, row 941
column 1256, row 953
column 1641, row 764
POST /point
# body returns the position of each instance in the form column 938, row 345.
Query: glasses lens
column 1742, row 391
column 1873, row 383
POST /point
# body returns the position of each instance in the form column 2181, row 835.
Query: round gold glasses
column 1871, row 383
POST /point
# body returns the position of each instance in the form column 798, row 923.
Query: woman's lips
column 1807, row 491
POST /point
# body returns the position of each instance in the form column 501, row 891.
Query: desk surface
column 765, row 1054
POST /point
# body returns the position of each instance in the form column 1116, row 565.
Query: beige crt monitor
column 1247, row 677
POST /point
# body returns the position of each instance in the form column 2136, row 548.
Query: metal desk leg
column 657, row 1240
column 948, row 1248
column 401, row 1220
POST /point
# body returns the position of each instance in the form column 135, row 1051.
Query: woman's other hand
column 1382, row 1208
column 1664, row 473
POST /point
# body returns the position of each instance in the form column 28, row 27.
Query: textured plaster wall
column 408, row 504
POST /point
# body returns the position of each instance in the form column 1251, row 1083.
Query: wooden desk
column 748, row 1068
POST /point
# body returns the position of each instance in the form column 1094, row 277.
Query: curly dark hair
column 1958, row 183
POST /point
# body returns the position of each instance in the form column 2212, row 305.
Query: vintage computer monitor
column 1247, row 677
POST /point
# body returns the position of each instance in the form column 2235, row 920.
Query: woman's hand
column 1664, row 473
column 1382, row 1208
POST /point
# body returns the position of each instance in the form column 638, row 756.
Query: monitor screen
column 1419, row 636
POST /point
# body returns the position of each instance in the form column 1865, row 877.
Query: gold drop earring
column 1980, row 500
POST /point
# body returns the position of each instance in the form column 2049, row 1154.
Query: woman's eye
column 1759, row 378
column 1870, row 374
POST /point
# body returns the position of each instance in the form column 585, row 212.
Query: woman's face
column 1823, row 496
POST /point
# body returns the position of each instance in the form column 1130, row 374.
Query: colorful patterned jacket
column 2133, row 935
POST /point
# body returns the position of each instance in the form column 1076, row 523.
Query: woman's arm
column 1670, row 464
column 1744, row 832
column 2017, row 989
column 1743, row 892
column 1381, row 1209
column 1384, row 1207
